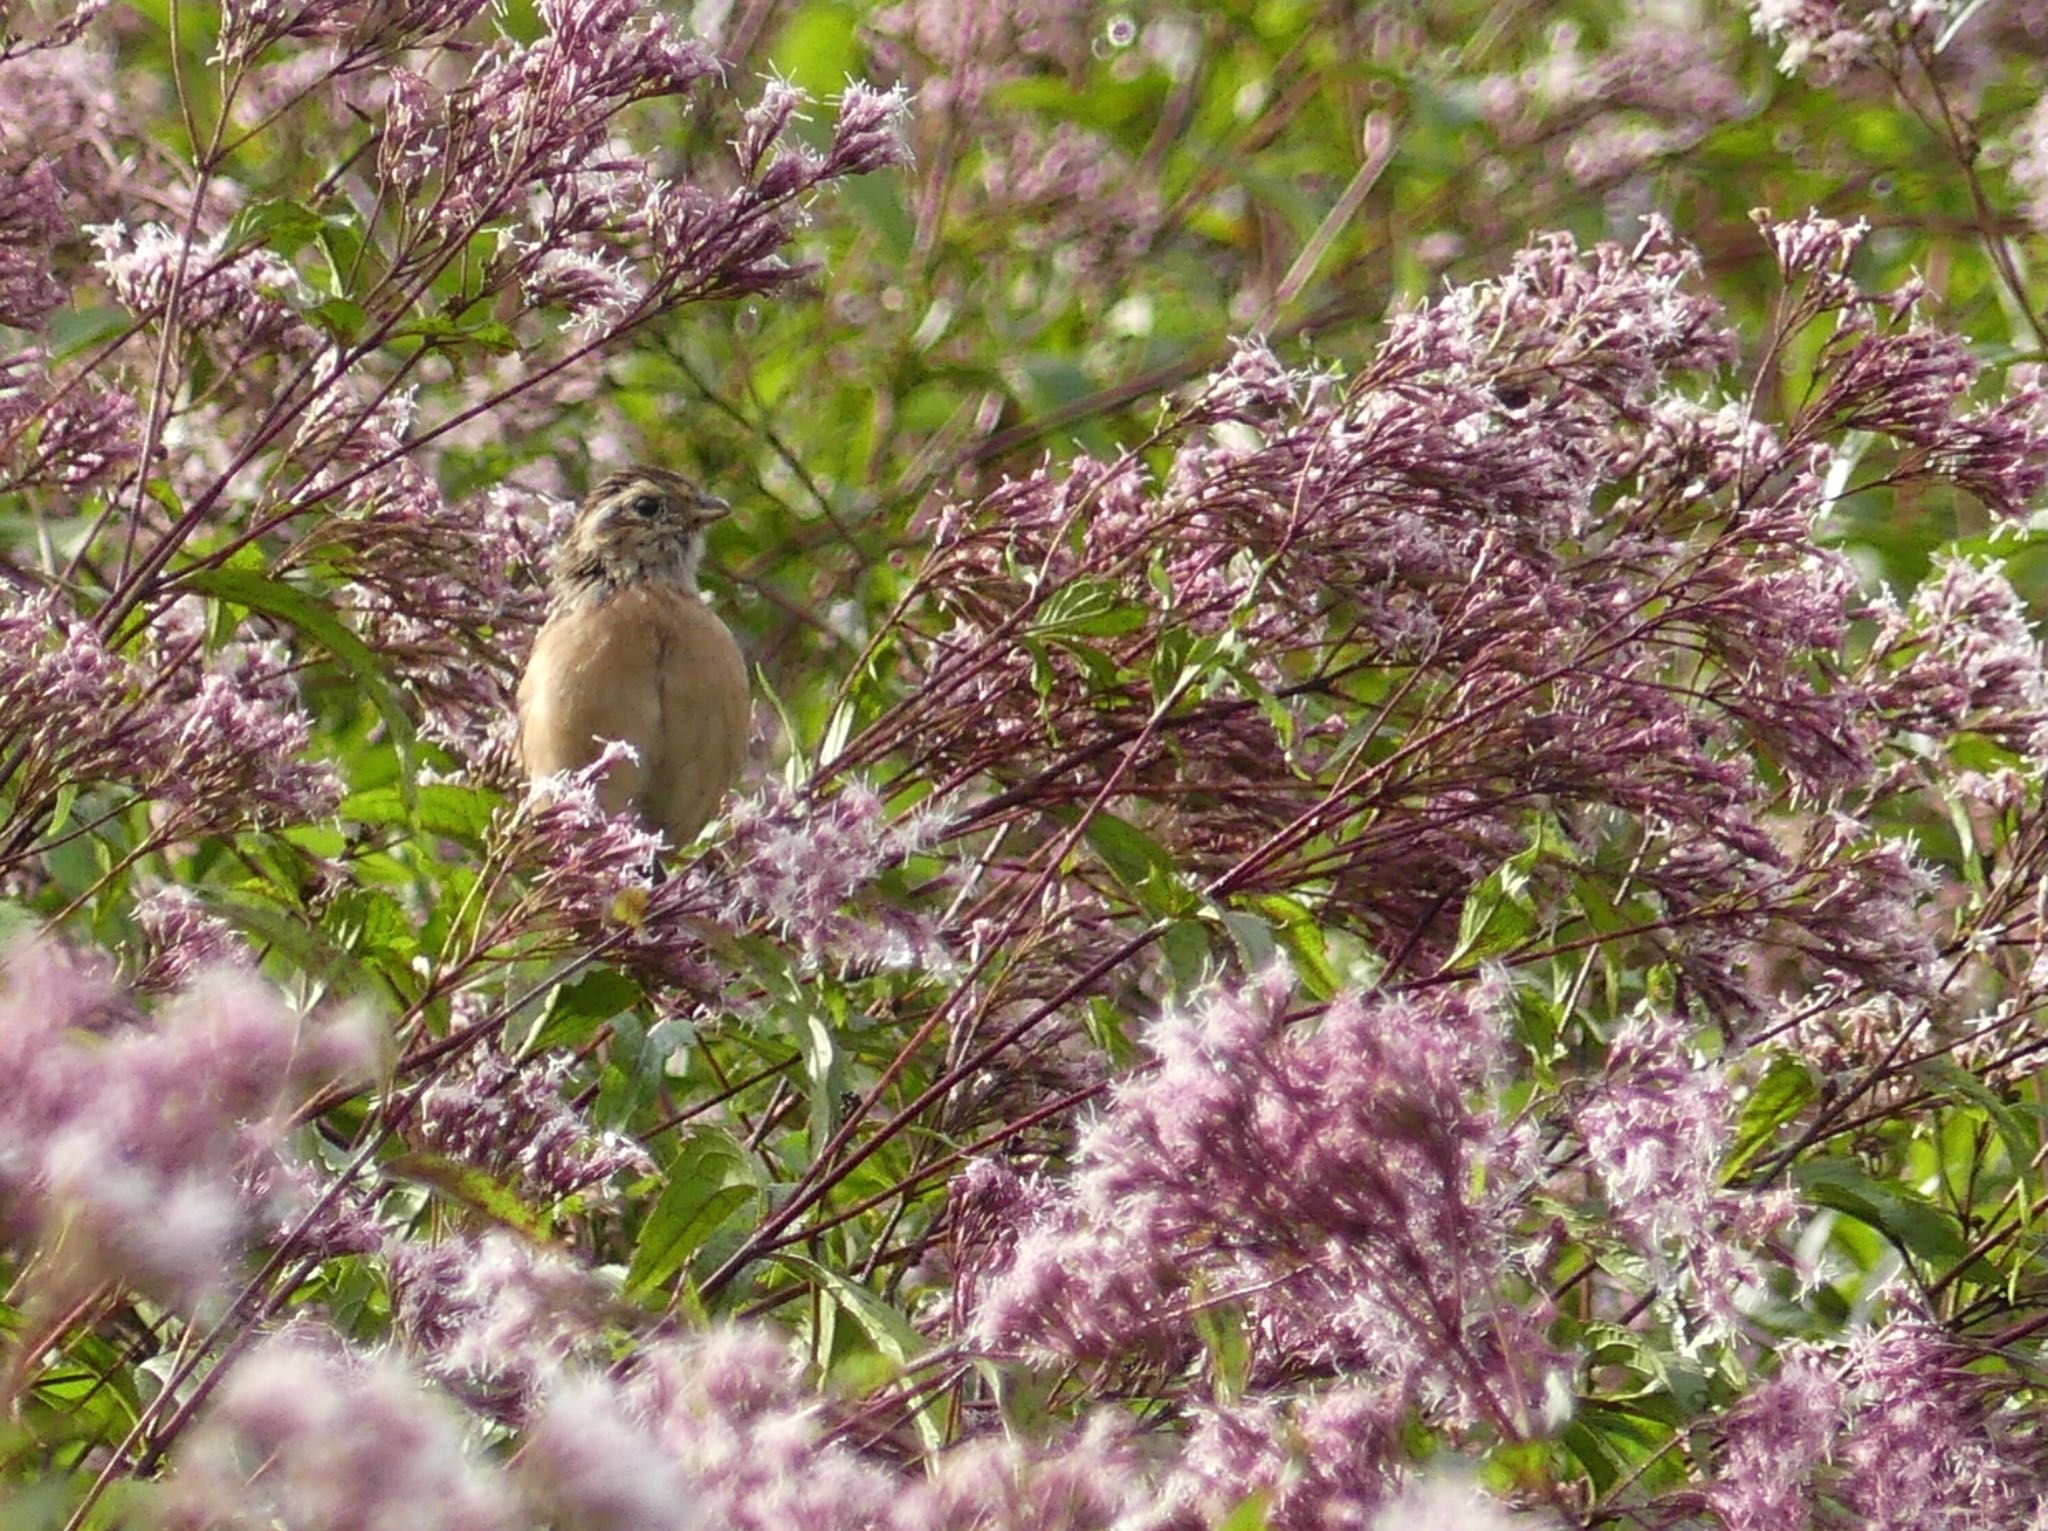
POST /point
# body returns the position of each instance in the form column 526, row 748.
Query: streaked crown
column 637, row 524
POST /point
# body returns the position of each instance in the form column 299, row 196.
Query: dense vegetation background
column 1392, row 869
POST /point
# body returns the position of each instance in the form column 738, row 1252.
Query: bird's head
column 637, row 524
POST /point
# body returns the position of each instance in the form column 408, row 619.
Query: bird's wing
column 704, row 718
column 592, row 677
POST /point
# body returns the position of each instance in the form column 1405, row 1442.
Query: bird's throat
column 595, row 580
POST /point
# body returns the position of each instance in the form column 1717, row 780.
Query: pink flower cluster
column 212, row 743
column 129, row 1141
column 1319, row 1172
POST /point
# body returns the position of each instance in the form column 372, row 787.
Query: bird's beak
column 711, row 508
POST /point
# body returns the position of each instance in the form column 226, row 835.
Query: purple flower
column 594, row 1467
column 85, row 434
column 308, row 1435
column 1833, row 37
column 798, row 861
column 729, row 1408
column 510, row 1119
column 596, row 293
column 1656, row 1130
column 132, row 1143
column 1096, row 1476
column 1322, row 1174
column 1896, row 1429
column 212, row 745
column 252, row 296
column 867, row 135
column 961, row 50
column 31, row 221
column 2029, row 164
column 1965, row 654
column 588, row 865
column 183, row 939
column 1649, row 90
column 1817, row 248
column 1331, row 1458
column 250, row 26
column 495, row 1318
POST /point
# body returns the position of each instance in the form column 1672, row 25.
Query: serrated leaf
column 440, row 808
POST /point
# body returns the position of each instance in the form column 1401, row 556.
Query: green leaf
column 1140, row 864
column 1185, row 944
column 340, row 237
column 710, row 1179
column 366, row 922
column 826, row 1071
column 341, row 318
column 1915, row 1225
column 278, row 224
column 441, row 330
column 70, row 331
column 574, row 1011
column 1782, row 1093
column 1304, row 941
column 2013, row 1128
column 448, row 809
column 1086, row 608
column 468, row 1186
column 1221, row 1329
column 887, row 1330
column 1181, row 662
column 1250, row 1514
column 1601, row 1464
column 1498, row 914
column 1501, row 912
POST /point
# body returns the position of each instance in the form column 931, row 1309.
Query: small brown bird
column 631, row 652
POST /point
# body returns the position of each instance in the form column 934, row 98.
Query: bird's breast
column 652, row 665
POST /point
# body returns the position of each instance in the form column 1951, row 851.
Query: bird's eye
column 647, row 505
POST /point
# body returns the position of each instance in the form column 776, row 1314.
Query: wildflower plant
column 1391, row 868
